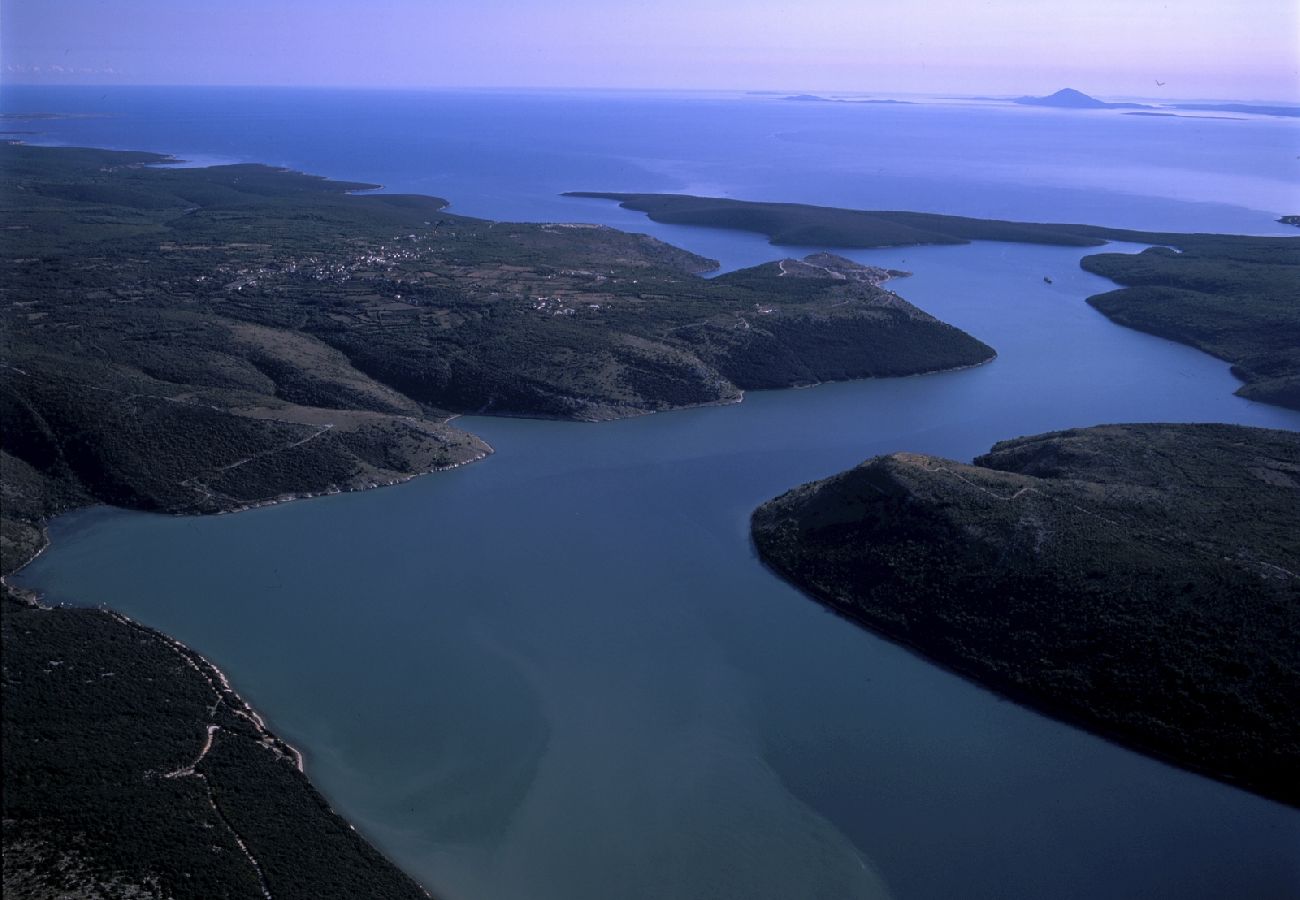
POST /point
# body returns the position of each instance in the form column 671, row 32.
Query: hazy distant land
column 1069, row 98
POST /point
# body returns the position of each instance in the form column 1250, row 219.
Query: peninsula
column 192, row 340
column 1142, row 581
column 1233, row 296
column 203, row 340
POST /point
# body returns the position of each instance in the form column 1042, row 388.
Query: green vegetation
column 1140, row 580
column 801, row 225
column 1239, row 302
column 199, row 340
column 108, row 789
column 1230, row 295
column 205, row 339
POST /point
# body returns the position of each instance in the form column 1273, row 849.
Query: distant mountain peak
column 1069, row 98
column 1065, row 97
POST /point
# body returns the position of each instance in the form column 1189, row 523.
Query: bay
column 562, row 672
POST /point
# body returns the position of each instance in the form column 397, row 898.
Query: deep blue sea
column 562, row 673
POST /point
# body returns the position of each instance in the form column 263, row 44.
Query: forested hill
column 1141, row 580
column 198, row 340
column 192, row 339
column 804, row 225
column 1234, row 296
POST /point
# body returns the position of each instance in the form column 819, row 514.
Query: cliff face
column 1140, row 580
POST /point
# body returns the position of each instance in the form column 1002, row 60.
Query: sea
column 562, row 672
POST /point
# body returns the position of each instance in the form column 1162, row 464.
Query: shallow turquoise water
column 562, row 672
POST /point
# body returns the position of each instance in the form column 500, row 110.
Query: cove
column 563, row 673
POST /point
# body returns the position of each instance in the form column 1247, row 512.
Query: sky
column 1238, row 49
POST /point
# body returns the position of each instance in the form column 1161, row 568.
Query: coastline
column 217, row 680
column 315, row 766
column 1006, row 616
column 228, row 718
column 1031, row 702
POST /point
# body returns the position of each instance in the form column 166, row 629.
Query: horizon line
column 832, row 92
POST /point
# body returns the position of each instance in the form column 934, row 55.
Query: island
column 204, row 340
column 817, row 98
column 1069, row 98
column 1233, row 296
column 1142, row 581
column 1255, row 109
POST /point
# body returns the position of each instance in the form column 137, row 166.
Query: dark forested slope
column 1142, row 580
column 132, row 770
column 1239, row 302
column 1235, row 296
column 199, row 340
column 190, row 339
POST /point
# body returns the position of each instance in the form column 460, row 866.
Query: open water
column 562, row 672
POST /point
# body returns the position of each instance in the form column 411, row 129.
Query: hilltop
column 1069, row 98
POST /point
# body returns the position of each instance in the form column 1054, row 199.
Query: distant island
column 1251, row 108
column 814, row 98
column 1176, row 115
column 1140, row 580
column 1230, row 295
column 1069, row 98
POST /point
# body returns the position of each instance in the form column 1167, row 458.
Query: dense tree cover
column 196, row 340
column 1141, row 580
column 201, row 339
column 1239, row 302
column 102, row 721
column 803, row 225
column 1234, row 296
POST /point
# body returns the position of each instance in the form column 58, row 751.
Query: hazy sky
column 1247, row 49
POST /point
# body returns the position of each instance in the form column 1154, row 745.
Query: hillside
column 131, row 770
column 1140, row 580
column 195, row 340
column 1238, row 302
column 1234, row 296
column 203, row 340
